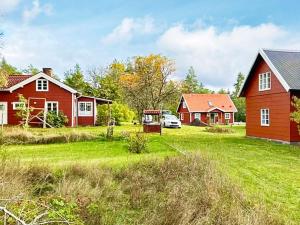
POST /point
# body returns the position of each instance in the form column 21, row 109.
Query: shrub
column 120, row 113
column 57, row 119
column 218, row 130
column 137, row 143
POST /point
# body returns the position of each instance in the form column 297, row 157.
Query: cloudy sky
column 217, row 38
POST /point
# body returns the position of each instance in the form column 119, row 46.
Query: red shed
column 208, row 108
column 48, row 94
column 273, row 80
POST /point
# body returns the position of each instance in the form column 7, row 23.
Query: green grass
column 266, row 171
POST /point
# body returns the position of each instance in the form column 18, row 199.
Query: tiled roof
column 287, row 64
column 207, row 102
column 15, row 79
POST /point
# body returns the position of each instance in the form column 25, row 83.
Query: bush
column 218, row 130
column 137, row 143
column 120, row 112
column 57, row 119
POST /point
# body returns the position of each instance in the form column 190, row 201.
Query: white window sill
column 265, row 125
column 265, row 89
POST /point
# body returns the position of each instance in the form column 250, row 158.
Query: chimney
column 48, row 71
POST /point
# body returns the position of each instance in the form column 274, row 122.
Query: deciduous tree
column 146, row 86
column 239, row 101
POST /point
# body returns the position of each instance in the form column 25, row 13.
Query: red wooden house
column 208, row 108
column 45, row 93
column 273, row 80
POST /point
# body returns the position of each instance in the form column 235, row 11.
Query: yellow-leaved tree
column 147, row 84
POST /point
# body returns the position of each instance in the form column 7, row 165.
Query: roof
column 97, row 99
column 209, row 102
column 151, row 112
column 15, row 79
column 285, row 64
column 18, row 81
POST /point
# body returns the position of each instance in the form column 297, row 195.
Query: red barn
column 273, row 80
column 45, row 93
column 208, row 108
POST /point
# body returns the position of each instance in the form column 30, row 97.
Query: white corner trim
column 42, row 75
column 275, row 71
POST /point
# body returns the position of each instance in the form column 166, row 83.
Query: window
column 181, row 116
column 85, row 109
column 265, row 117
column 52, row 107
column 197, row 116
column 41, row 85
column 227, row 116
column 264, row 81
column 18, row 105
column 184, row 105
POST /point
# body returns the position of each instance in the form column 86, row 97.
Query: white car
column 171, row 121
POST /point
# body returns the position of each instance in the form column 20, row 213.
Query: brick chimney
column 48, row 71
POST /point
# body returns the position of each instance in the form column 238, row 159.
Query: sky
column 218, row 38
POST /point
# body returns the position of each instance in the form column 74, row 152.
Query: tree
column 146, row 86
column 9, row 69
column 191, row 83
column 31, row 70
column 295, row 115
column 239, row 101
column 223, row 91
column 75, row 79
column 3, row 78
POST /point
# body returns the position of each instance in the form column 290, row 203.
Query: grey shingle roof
column 287, row 64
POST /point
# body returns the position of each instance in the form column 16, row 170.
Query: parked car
column 171, row 121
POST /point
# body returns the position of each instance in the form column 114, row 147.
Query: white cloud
column 8, row 5
column 36, row 10
column 128, row 28
column 219, row 56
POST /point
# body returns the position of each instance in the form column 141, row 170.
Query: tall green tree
column 8, row 68
column 31, row 70
column 239, row 101
column 3, row 78
column 191, row 84
column 75, row 79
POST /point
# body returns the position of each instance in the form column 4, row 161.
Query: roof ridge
column 280, row 50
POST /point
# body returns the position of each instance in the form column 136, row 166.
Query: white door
column 3, row 113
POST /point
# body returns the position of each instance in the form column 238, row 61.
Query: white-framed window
column 265, row 81
column 265, row 117
column 85, row 108
column 42, row 85
column 184, row 105
column 227, row 116
column 181, row 116
column 18, row 105
column 52, row 107
column 198, row 116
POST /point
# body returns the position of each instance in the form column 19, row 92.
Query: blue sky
column 217, row 38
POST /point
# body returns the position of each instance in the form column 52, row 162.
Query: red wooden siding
column 190, row 117
column 86, row 120
column 55, row 93
column 277, row 100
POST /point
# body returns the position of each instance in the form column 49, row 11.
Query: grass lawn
column 266, row 171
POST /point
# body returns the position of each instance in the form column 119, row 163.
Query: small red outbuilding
column 207, row 108
column 48, row 94
column 273, row 80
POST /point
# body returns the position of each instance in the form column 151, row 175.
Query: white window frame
column 264, row 81
column 198, row 116
column 183, row 105
column 16, row 107
column 181, row 116
column 85, row 112
column 42, row 85
column 52, row 102
column 265, row 117
column 227, row 116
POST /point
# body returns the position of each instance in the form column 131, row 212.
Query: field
column 266, row 172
